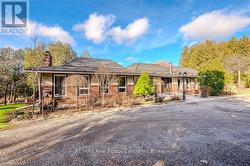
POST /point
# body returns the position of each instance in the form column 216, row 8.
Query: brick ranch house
column 54, row 88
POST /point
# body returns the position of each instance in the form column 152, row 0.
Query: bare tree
column 77, row 81
column 33, row 39
column 10, row 72
column 104, row 78
column 237, row 64
column 34, row 42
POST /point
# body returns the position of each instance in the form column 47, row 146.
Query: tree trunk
column 103, row 95
column 12, row 93
column 9, row 96
column 33, row 99
column 239, row 82
column 5, row 94
column 15, row 97
column 77, row 98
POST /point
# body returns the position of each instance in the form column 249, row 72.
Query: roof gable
column 147, row 67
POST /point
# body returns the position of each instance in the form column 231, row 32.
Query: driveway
column 207, row 132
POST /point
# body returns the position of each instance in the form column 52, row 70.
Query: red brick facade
column 47, row 88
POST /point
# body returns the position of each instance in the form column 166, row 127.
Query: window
column 84, row 86
column 179, row 84
column 104, row 86
column 121, row 84
column 187, row 81
column 167, row 81
column 60, row 89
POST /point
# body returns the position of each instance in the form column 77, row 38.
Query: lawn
column 5, row 109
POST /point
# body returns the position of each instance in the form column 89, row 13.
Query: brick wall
column 94, row 91
column 130, row 89
column 158, row 84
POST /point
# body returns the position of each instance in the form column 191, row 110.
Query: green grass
column 4, row 109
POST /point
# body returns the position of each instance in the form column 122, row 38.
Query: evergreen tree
column 144, row 86
column 211, row 55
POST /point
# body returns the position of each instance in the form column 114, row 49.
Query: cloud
column 132, row 32
column 11, row 46
column 131, row 59
column 214, row 25
column 54, row 33
column 120, row 63
column 96, row 27
column 189, row 43
column 156, row 39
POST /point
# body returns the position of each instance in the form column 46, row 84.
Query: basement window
column 122, row 84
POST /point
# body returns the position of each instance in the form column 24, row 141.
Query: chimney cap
column 47, row 52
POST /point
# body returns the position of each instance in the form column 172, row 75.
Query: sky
column 131, row 31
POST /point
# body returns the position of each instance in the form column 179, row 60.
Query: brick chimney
column 47, row 59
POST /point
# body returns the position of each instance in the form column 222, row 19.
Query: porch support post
column 40, row 92
column 39, row 87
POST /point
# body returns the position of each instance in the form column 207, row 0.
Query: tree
column 61, row 53
column 214, row 81
column 211, row 55
column 237, row 64
column 144, row 86
column 33, row 58
column 104, row 77
column 11, row 74
column 77, row 81
column 6, row 66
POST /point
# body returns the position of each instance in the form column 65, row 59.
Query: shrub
column 144, row 86
column 159, row 99
column 214, row 82
column 175, row 97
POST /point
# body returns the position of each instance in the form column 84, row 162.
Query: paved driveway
column 215, row 132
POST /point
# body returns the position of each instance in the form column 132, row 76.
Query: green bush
column 144, row 86
column 246, row 80
column 214, row 82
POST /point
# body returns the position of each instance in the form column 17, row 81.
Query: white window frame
column 79, row 88
column 54, row 83
column 125, row 87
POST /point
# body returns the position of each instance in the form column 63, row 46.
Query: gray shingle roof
column 160, row 70
column 184, row 69
column 86, row 65
column 151, row 69
column 91, row 65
